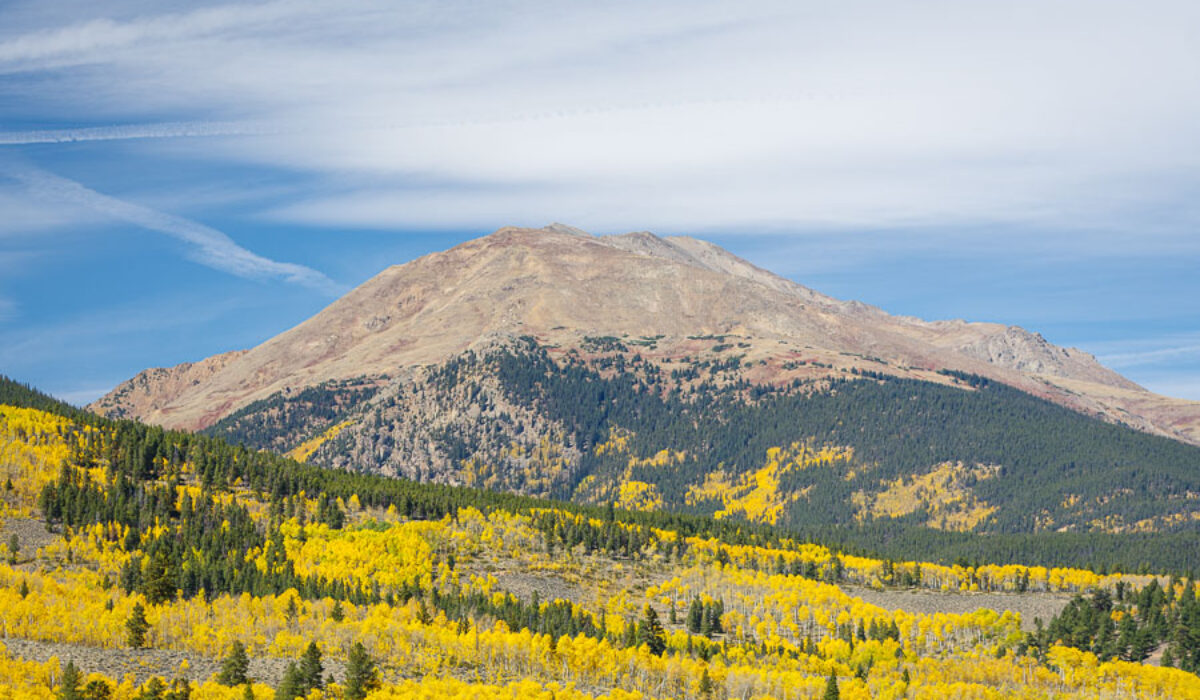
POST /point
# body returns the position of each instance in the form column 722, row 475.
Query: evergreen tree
column 291, row 686
column 310, row 668
column 361, row 674
column 68, row 689
column 695, row 616
column 136, row 627
column 158, row 581
column 831, row 688
column 180, row 690
column 153, row 690
column 706, row 684
column 14, row 546
column 235, row 665
column 97, row 690
column 650, row 632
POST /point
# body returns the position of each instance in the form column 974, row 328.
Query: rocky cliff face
column 660, row 298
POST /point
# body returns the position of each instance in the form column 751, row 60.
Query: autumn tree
column 706, row 684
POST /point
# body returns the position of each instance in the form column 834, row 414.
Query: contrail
column 209, row 246
column 202, row 129
column 168, row 130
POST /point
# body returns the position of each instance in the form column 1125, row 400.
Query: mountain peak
column 692, row 298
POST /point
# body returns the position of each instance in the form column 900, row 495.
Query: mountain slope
column 562, row 286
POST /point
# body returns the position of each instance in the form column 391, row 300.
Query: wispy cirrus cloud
column 1161, row 351
column 1063, row 132
column 676, row 116
column 208, row 246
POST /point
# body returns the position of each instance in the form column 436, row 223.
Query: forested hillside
column 360, row 586
column 866, row 451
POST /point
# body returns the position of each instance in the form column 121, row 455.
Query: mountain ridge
column 562, row 285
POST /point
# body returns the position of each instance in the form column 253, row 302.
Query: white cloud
column 1171, row 350
column 209, row 246
column 666, row 116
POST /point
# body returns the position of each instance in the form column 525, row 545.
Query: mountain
column 552, row 362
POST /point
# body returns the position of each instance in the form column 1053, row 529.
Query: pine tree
column 706, row 684
column 158, row 582
column 338, row 614
column 291, row 686
column 136, row 627
column 14, row 546
column 650, row 632
column 69, row 688
column 153, row 690
column 97, row 690
column 695, row 616
column 180, row 690
column 831, row 688
column 235, row 665
column 310, row 668
column 361, row 674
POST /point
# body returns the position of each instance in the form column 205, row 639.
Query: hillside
column 860, row 450
column 176, row 555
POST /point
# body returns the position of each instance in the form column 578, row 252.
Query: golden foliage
column 756, row 495
column 783, row 634
column 944, row 492
column 304, row 450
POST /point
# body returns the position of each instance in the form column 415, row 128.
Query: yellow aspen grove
column 490, row 601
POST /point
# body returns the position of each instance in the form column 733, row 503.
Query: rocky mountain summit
column 563, row 286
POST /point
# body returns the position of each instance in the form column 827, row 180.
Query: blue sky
column 179, row 179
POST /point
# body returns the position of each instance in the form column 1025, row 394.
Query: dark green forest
column 897, row 427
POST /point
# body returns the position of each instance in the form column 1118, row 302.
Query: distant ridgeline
column 901, row 467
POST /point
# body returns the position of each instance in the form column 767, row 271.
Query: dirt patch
column 1028, row 605
column 523, row 584
column 144, row 663
column 31, row 535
